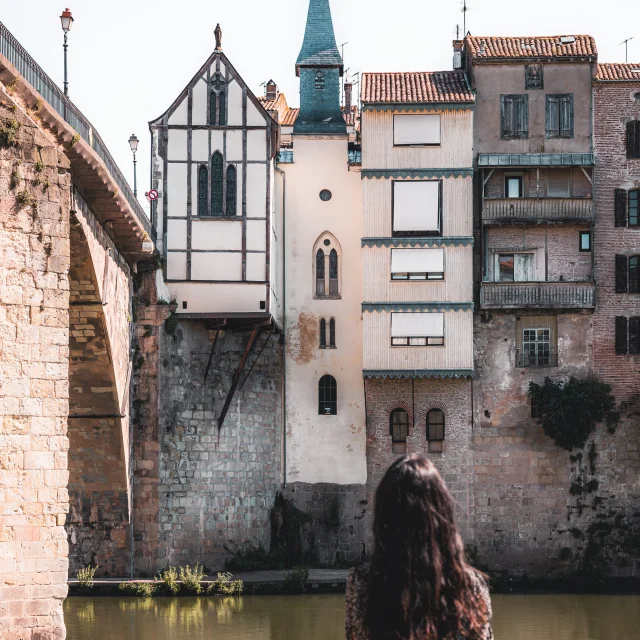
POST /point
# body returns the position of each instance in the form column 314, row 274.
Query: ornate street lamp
column 133, row 143
column 66, row 19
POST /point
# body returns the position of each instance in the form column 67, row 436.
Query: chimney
column 457, row 54
column 348, row 87
column 272, row 90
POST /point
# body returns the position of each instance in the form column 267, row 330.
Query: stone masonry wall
column 34, row 307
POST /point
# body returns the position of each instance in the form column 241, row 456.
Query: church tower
column 319, row 67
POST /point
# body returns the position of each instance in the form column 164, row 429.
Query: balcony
column 541, row 360
column 538, row 295
column 534, row 210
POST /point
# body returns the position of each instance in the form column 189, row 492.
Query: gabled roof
column 290, row 117
column 419, row 87
column 492, row 48
column 319, row 45
column 618, row 72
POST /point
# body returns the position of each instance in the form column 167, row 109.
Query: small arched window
column 332, row 333
column 216, row 184
column 435, row 430
column 399, row 430
column 333, row 273
column 634, row 207
column 320, row 288
column 323, row 333
column 319, row 81
column 327, row 396
column 203, row 191
column 232, row 193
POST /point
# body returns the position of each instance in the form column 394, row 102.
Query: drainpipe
column 284, row 329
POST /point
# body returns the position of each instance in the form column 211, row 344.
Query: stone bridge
column 71, row 235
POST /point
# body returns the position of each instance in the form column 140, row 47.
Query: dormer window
column 218, row 101
column 319, row 81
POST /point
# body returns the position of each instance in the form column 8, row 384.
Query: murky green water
column 553, row 617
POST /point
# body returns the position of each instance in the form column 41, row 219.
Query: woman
column 417, row 586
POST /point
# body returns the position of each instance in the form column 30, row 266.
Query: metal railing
column 577, row 295
column 31, row 71
column 528, row 359
column 534, row 209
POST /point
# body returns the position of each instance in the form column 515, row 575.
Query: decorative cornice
column 418, row 173
column 417, row 306
column 412, row 108
column 417, row 373
column 451, row 241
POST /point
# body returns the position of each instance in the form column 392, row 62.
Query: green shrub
column 191, row 578
column 86, row 574
column 140, row 589
column 223, row 585
column 169, row 580
column 296, row 580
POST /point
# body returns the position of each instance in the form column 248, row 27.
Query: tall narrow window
column 515, row 116
column 399, row 430
column 327, row 396
column 633, row 139
column 333, row 273
column 203, row 189
column 560, row 116
column 435, row 430
column 634, row 274
column 320, row 289
column 222, row 109
column 213, row 108
column 217, row 101
column 634, row 335
column 323, row 333
column 634, row 207
column 232, row 193
column 216, row 184
column 513, row 187
column 332, row 334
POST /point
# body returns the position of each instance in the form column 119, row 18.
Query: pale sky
column 129, row 60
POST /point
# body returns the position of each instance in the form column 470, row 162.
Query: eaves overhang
column 412, row 374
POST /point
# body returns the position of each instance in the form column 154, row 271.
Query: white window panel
column 414, row 325
column 417, row 260
column 416, row 129
column 416, row 205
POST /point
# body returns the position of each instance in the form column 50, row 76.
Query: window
column 560, row 116
column 327, row 396
column 222, row 109
column 417, row 264
column 399, row 430
column 332, row 334
column 417, row 329
column 627, row 274
column 515, row 267
column 534, row 78
column 327, row 273
column 536, row 410
column 634, row 199
column 634, row 270
column 417, row 208
column 513, row 187
column 320, row 288
column 333, row 273
column 216, row 184
column 217, row 101
column 536, row 348
column 203, row 189
column 633, row 139
column 585, row 240
column 416, row 129
column 323, row 333
column 232, row 190
column 319, row 81
column 627, row 339
column 558, row 183
column 514, row 111
column 435, row 430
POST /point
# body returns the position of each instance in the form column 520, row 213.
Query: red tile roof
column 617, row 71
column 489, row 47
column 290, row 117
column 415, row 87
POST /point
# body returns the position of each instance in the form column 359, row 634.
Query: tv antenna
column 342, row 46
column 626, row 48
column 464, row 10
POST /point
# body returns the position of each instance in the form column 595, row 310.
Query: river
column 321, row 617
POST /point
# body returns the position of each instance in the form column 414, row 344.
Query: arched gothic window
column 327, row 273
column 232, row 194
column 327, row 396
column 218, row 101
column 216, row 184
column 222, row 108
column 320, row 288
column 399, row 430
column 332, row 333
column 323, row 333
column 435, row 430
column 333, row 273
column 319, row 82
column 203, row 191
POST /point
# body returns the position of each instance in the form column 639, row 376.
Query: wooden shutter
column 522, row 116
column 621, row 335
column 621, row 274
column 633, row 139
column 621, row 207
column 508, row 117
column 553, row 116
column 566, row 116
column 634, row 335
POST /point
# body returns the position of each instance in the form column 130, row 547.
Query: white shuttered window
column 417, row 264
column 417, row 329
column 418, row 129
column 416, row 206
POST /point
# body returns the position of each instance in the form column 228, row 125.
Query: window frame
column 430, row 341
column 516, row 98
column 322, row 331
column 398, row 440
column 203, row 202
column 417, row 144
column 633, row 139
column 332, row 389
column 332, row 333
column 633, row 282
column 433, row 447
column 520, row 179
column 563, row 132
column 527, row 81
column 580, row 236
column 231, row 191
column 626, row 342
column 543, row 359
column 633, row 200
column 416, row 234
column 218, row 179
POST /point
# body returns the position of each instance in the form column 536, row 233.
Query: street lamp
column 66, row 19
column 133, row 143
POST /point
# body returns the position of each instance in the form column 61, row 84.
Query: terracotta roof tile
column 621, row 72
column 481, row 47
column 290, row 117
column 416, row 87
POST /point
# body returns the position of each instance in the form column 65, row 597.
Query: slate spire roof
column 319, row 46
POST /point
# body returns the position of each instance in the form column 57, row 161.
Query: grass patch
column 86, row 574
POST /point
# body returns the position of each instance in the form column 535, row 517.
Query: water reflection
column 555, row 617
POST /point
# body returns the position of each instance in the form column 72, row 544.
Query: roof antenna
column 626, row 48
column 465, row 8
column 342, row 46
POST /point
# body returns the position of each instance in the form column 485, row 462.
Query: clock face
column 325, row 195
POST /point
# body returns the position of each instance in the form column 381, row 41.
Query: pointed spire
column 319, row 45
column 218, row 34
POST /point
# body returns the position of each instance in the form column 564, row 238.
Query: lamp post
column 66, row 19
column 133, row 143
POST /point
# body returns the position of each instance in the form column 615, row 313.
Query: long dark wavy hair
column 420, row 585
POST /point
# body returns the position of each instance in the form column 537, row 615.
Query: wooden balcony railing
column 507, row 210
column 537, row 295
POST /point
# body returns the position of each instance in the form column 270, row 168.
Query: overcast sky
column 129, row 60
